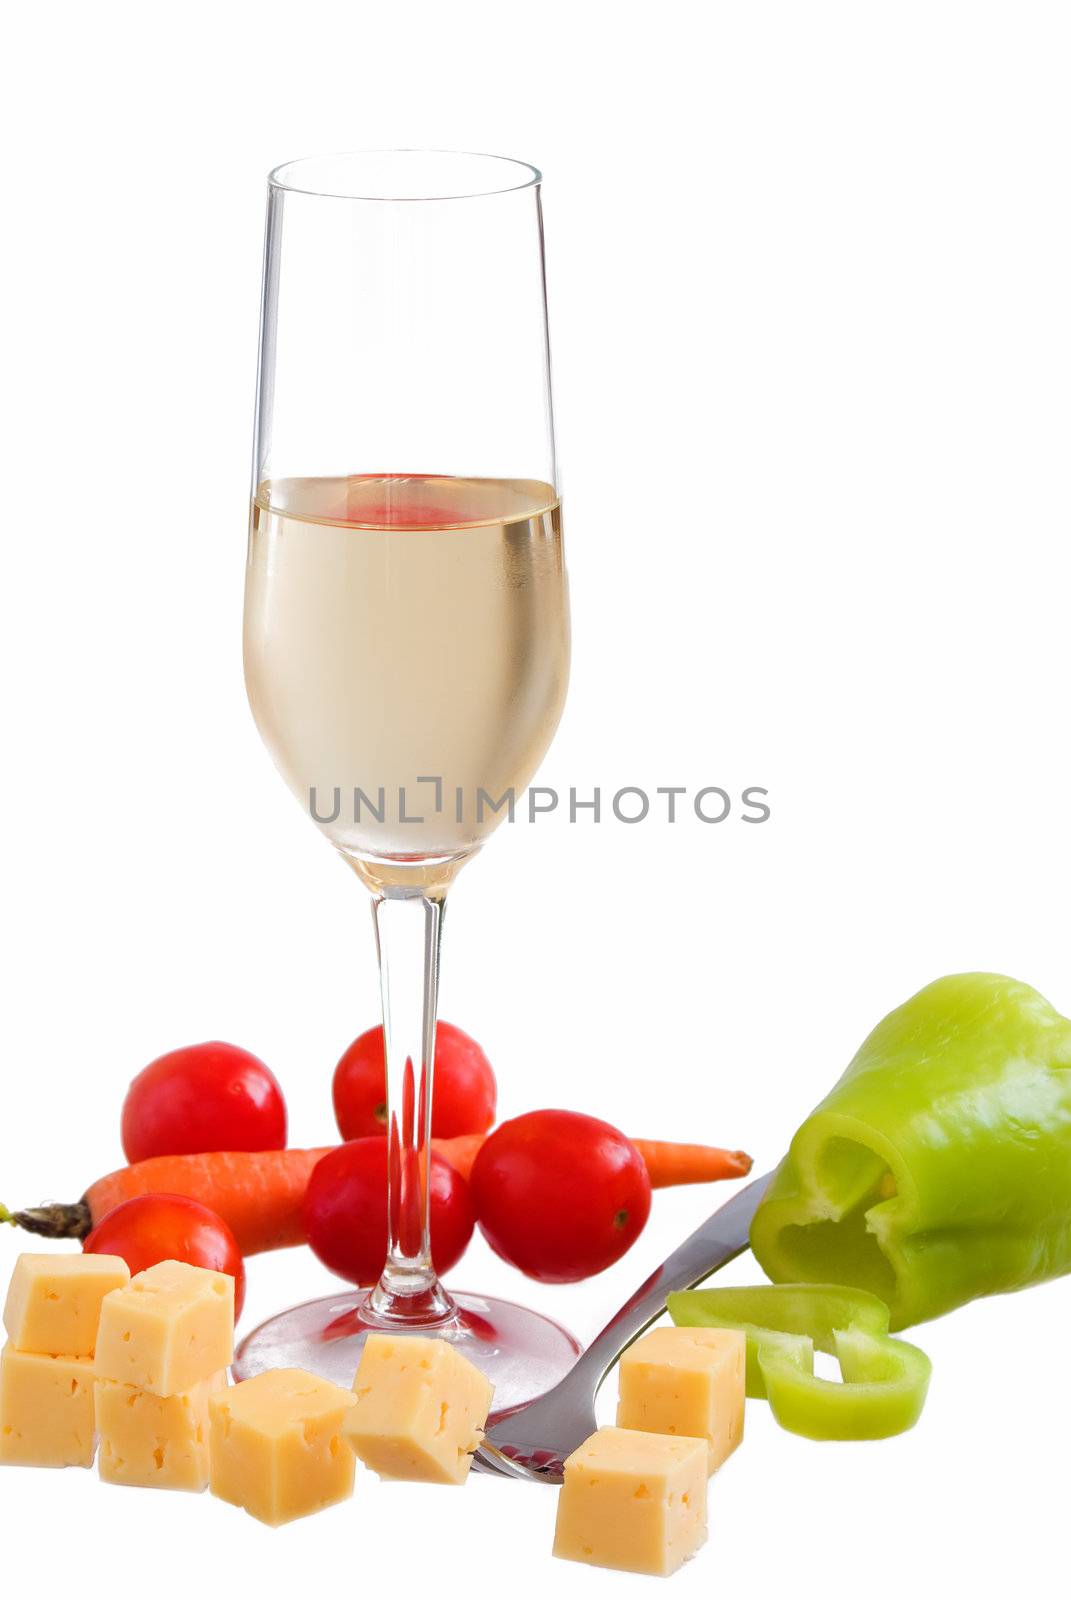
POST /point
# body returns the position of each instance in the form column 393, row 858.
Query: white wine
column 406, row 656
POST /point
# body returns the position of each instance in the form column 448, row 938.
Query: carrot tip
column 54, row 1221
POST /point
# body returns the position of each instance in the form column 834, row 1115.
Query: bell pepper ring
column 938, row 1168
column 885, row 1380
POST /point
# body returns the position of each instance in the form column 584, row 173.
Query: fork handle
column 721, row 1238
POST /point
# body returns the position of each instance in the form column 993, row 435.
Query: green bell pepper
column 938, row 1169
column 885, row 1380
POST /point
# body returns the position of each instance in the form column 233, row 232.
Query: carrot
column 671, row 1164
column 668, row 1165
column 259, row 1193
column 461, row 1151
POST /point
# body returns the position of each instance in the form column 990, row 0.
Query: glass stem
column 408, row 934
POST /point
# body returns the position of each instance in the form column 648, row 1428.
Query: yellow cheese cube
column 686, row 1381
column 633, row 1501
column 53, row 1302
column 155, row 1441
column 168, row 1330
column 46, row 1409
column 276, row 1445
column 420, row 1408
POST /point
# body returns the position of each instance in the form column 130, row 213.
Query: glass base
column 522, row 1352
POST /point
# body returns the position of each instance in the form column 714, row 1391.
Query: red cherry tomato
column 169, row 1227
column 560, row 1195
column 203, row 1097
column 345, row 1211
column 463, row 1100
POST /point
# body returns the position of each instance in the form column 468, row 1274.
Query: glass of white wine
column 406, row 622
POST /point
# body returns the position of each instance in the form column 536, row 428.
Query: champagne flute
column 406, row 622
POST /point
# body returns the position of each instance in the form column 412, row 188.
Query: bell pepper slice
column 938, row 1168
column 885, row 1380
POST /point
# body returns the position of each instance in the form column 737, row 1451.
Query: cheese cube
column 686, row 1381
column 155, row 1441
column 420, row 1408
column 633, row 1501
column 53, row 1302
column 168, row 1330
column 46, row 1409
column 277, row 1448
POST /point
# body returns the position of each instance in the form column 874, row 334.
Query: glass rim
column 285, row 178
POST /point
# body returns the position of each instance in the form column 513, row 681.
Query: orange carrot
column 671, row 1164
column 668, row 1165
column 259, row 1193
column 461, row 1151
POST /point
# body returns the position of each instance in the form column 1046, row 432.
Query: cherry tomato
column 463, row 1099
column 345, row 1211
column 203, row 1097
column 169, row 1227
column 560, row 1195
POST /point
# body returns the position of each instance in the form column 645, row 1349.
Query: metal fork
column 533, row 1442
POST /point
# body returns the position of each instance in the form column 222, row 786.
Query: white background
column 809, row 274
